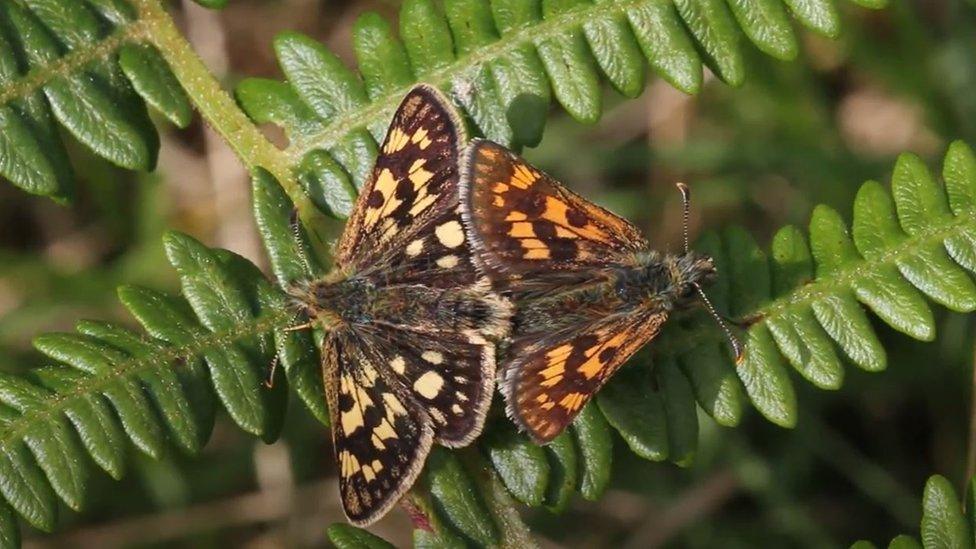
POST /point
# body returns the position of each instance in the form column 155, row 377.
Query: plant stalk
column 220, row 110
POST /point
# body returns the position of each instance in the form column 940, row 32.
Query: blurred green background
column 795, row 135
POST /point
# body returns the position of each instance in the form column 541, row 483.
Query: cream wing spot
column 377, row 442
column 457, row 409
column 437, row 416
column 351, row 420
column 433, row 357
column 396, row 141
column 368, row 473
column 447, row 262
column 450, row 234
column 384, row 430
column 393, row 406
column 415, row 247
column 398, row 365
column 429, row 384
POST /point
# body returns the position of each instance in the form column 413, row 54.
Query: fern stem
column 846, row 277
column 168, row 357
column 218, row 108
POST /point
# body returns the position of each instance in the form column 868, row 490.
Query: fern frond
column 505, row 62
column 115, row 383
column 79, row 63
column 93, row 66
column 944, row 525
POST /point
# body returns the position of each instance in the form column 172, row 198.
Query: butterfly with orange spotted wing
column 589, row 290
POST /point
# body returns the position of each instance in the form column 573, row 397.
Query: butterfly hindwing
column 524, row 222
column 414, row 179
column 550, row 379
column 448, row 374
column 380, row 436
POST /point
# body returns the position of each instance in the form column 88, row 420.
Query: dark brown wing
column 549, row 380
column 523, row 222
column 380, row 435
column 450, row 375
column 414, row 179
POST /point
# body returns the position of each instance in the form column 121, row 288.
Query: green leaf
column 521, row 465
column 457, row 500
column 52, row 443
column 291, row 258
column 662, row 37
column 572, row 71
column 24, row 487
column 592, row 436
column 152, row 79
column 766, row 24
column 92, row 418
column 904, row 542
column 163, row 385
column 714, row 29
column 9, row 532
column 636, row 412
column 327, row 184
column 220, row 304
column 344, row 536
column 85, row 104
column 126, row 396
column 616, row 51
column 818, row 15
column 943, row 524
column 563, row 471
column 680, row 413
column 715, row 385
column 504, row 61
column 96, row 64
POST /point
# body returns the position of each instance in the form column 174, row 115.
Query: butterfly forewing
column 524, row 222
column 414, row 179
column 437, row 256
column 380, row 434
column 549, row 380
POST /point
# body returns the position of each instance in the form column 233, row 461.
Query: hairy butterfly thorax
column 589, row 289
column 410, row 322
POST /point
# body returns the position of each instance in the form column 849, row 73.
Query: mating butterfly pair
column 454, row 249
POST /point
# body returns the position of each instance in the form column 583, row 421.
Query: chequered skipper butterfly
column 590, row 291
column 410, row 325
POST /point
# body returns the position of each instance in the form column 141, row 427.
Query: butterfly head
column 689, row 272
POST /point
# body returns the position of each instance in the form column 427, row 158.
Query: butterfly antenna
column 685, row 213
column 733, row 341
column 685, row 217
column 296, row 233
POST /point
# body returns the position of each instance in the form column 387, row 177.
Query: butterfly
column 590, row 292
column 408, row 354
